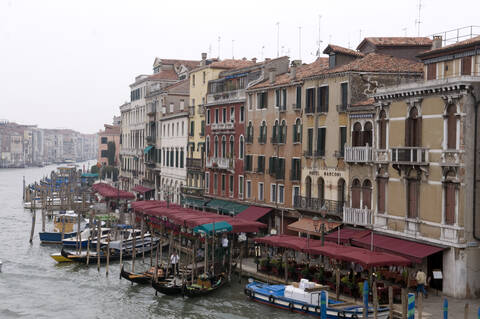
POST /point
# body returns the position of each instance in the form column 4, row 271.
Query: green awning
column 195, row 202
column 90, row 175
column 226, row 207
column 147, row 149
column 218, row 227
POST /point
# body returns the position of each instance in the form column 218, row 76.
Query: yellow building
column 199, row 77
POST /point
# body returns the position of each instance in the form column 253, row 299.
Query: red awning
column 254, row 213
column 143, row 205
column 414, row 251
column 109, row 191
column 369, row 258
column 292, row 242
column 331, row 250
column 141, row 189
column 306, row 226
column 346, row 234
column 245, row 226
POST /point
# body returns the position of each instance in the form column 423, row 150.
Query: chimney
column 271, row 75
column 437, row 42
column 204, row 59
column 254, row 60
column 293, row 68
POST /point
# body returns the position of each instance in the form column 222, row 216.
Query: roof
column 141, row 189
column 411, row 250
column 292, row 242
column 164, row 75
column 254, row 213
column 342, row 50
column 231, row 64
column 185, row 83
column 305, row 225
column 346, row 234
column 396, row 41
column 190, row 64
column 459, row 45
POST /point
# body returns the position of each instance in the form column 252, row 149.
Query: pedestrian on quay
column 174, row 259
column 421, row 279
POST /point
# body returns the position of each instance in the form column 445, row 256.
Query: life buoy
column 290, row 306
column 271, row 299
column 354, row 316
column 318, row 309
column 305, row 308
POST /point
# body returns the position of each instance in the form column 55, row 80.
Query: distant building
column 111, row 134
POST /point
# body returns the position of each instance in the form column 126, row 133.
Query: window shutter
column 367, row 197
column 282, row 167
column 326, row 99
column 355, row 197
column 343, row 139
column 407, row 131
column 301, row 132
column 466, row 65
column 451, row 129
column 450, row 203
column 418, row 137
column 319, row 100
column 294, row 133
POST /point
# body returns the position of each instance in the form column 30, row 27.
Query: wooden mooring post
column 34, row 213
column 390, row 301
column 420, row 305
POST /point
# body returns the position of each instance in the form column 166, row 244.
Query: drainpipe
column 474, row 211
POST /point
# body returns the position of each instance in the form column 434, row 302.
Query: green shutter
column 294, row 132
column 326, row 99
column 343, row 140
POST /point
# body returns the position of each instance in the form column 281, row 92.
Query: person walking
column 174, row 259
column 421, row 279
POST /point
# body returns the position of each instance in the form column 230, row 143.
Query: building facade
column 109, row 142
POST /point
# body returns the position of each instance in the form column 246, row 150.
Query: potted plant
column 264, row 265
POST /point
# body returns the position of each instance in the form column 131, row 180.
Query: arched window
column 207, row 145
column 232, row 146
column 367, row 194
column 356, row 134
column 250, row 132
column 308, row 187
column 382, row 130
column 321, row 189
column 450, row 189
column 263, row 133
column 413, row 129
column 381, row 194
column 356, row 193
column 367, row 134
column 275, row 130
column 224, row 146
column 297, row 131
column 341, row 191
column 451, row 127
column 215, row 147
column 241, row 147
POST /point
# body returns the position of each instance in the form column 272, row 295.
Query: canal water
column 33, row 285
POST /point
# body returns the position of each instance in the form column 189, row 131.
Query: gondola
column 205, row 285
column 168, row 287
column 142, row 278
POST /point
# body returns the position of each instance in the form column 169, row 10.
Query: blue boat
column 54, row 237
column 63, row 221
column 305, row 297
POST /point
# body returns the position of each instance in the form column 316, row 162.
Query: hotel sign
column 329, row 172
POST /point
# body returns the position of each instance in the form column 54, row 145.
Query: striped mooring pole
column 323, row 305
column 445, row 308
column 411, row 306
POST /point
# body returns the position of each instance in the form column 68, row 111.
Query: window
column 224, row 146
column 215, row 183
column 181, row 157
column 216, row 115
column 322, row 132
column 183, row 128
column 297, row 131
column 223, row 183
column 260, row 164
column 242, row 114
column 308, row 187
column 172, row 155
column 176, row 158
column 192, row 128
column 356, row 193
column 260, row 192
column 262, row 138
column 208, row 116
column 171, row 107
column 224, row 115
column 357, row 134
column 249, row 133
column 240, row 186
column 467, row 65
column 367, row 194
column 413, row 129
column 412, row 198
column 451, row 127
column 262, row 100
column 104, row 140
column 277, row 97
column 343, row 140
column 105, row 153
column 215, row 147
column 296, row 195
column 232, row 146
column 230, row 184
column 298, row 104
column 281, row 194
column 310, row 142
column 341, row 191
column 450, row 188
column 283, row 132
column 193, row 80
column 367, row 134
column 344, row 89
column 273, row 193
column 310, row 100
column 381, row 194
column 204, row 77
column 202, row 128
column 232, row 114
column 250, row 102
column 193, row 108
column 382, row 127
column 249, row 163
column 322, row 99
column 331, row 61
column 275, row 129
column 207, row 145
column 241, row 146
column 249, row 189
column 182, row 104
column 321, row 189
column 295, row 170
column 431, row 71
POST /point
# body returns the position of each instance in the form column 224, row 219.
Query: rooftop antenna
column 278, row 39
column 300, row 43
column 233, row 43
column 319, row 36
column 219, row 38
column 418, row 21
column 210, row 50
column 329, row 38
column 359, row 35
column 263, row 47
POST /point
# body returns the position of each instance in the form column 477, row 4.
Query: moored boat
column 142, row 278
column 306, row 298
column 63, row 222
column 170, row 287
column 205, row 285
column 58, row 257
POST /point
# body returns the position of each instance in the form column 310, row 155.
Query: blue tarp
column 220, row 227
column 147, row 149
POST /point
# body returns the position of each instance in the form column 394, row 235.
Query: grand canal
column 32, row 285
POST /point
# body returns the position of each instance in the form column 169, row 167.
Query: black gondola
column 170, row 287
column 205, row 285
column 142, row 278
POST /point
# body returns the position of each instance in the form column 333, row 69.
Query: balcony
column 309, row 110
column 279, row 139
column 409, row 155
column 222, row 126
column 151, row 109
column 194, row 163
column 150, row 164
column 333, row 207
column 452, row 158
column 357, row 216
column 220, row 163
column 151, row 140
column 226, row 97
column 262, row 139
column 380, row 156
column 192, row 191
column 296, row 108
column 282, row 108
column 358, row 154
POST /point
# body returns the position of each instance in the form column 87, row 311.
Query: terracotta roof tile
column 190, row 64
column 454, row 46
column 164, row 75
column 231, row 64
column 339, row 49
column 396, row 41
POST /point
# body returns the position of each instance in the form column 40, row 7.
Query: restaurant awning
column 227, row 207
column 147, row 149
column 346, row 234
column 292, row 242
column 141, row 189
column 216, row 227
column 414, row 251
column 305, row 225
column 195, row 202
column 254, row 213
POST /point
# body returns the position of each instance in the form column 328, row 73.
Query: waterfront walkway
column 432, row 306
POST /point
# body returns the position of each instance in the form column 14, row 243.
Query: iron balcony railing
column 358, row 154
column 194, row 163
column 333, row 207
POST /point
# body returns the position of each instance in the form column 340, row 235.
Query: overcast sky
column 69, row 63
